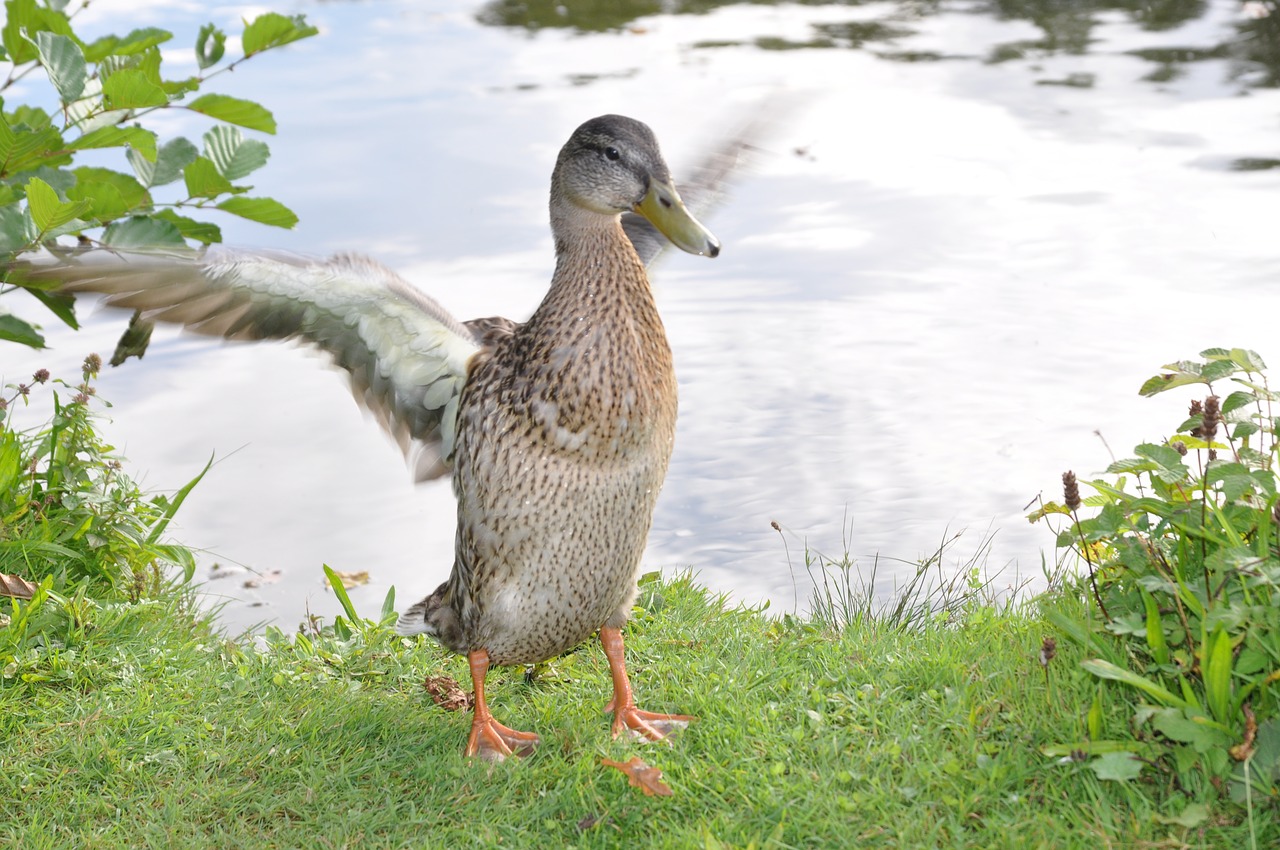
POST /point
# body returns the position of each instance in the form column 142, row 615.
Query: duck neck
column 599, row 294
column 598, row 328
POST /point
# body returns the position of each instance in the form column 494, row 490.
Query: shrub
column 76, row 533
column 1183, row 583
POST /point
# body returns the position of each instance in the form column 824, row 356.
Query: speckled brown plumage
column 557, row 431
column 564, row 434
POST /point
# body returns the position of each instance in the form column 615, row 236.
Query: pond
column 969, row 233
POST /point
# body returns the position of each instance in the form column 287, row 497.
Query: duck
column 556, row 431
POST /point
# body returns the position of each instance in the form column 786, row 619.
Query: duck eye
column 612, row 153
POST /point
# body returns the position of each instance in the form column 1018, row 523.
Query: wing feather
column 406, row 357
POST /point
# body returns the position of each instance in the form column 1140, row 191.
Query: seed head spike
column 1070, row 490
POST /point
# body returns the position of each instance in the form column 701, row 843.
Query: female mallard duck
column 557, row 431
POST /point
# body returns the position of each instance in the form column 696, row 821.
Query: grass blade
column 1107, row 670
column 340, row 591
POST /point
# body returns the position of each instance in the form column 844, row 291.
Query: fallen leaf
column 446, row 693
column 588, row 822
column 221, row 571
column 640, row 775
column 265, row 578
column 16, row 586
column 1242, row 750
column 350, row 580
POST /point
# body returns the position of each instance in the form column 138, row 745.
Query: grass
column 940, row 719
column 150, row 730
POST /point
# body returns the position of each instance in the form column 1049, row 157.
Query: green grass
column 152, row 731
column 128, row 721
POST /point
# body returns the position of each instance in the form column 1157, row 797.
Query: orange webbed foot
column 491, row 741
column 645, row 725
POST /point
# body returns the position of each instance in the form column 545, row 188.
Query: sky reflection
column 939, row 277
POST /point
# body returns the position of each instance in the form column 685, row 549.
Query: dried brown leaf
column 355, row 579
column 16, row 586
column 265, row 578
column 1244, row 749
column 640, row 775
column 446, row 693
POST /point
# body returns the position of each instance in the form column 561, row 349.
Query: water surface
column 973, row 231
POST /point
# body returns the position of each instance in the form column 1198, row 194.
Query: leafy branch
column 105, row 90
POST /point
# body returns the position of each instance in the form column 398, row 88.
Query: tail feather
column 414, row 620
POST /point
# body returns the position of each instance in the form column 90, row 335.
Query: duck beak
column 663, row 208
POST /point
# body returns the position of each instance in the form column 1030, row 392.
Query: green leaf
column 133, row 342
column 23, row 20
column 14, row 229
column 177, row 89
column 1117, row 767
column 340, row 591
column 1169, row 463
column 172, row 506
column 1093, row 719
column 261, row 210
column 202, row 231
column 1194, row 815
column 139, row 140
column 49, row 211
column 1181, row 376
column 274, row 30
column 203, row 179
column 19, row 14
column 135, row 42
column 1201, row 733
column 211, row 44
column 111, row 193
column 388, row 615
column 167, row 165
column 233, row 110
column 1250, row 361
column 1216, row 667
column 1107, row 670
column 233, row 154
column 64, row 62
column 13, row 329
column 1155, row 629
column 1237, row 400
column 1217, row 369
column 141, row 231
column 61, row 304
column 24, row 147
column 130, row 89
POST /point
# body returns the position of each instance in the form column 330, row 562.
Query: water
column 973, row 231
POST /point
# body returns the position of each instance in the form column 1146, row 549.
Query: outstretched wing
column 407, row 358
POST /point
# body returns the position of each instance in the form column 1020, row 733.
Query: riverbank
column 148, row 729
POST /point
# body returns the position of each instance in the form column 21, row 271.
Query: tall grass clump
column 1178, row 599
column 936, row 592
column 76, row 533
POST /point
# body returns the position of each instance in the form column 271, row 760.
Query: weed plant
column 76, row 533
column 1179, row 599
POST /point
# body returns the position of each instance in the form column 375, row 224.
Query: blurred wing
column 701, row 188
column 406, row 356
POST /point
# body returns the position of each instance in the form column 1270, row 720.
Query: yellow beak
column 662, row 206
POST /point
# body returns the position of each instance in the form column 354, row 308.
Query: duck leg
column 642, row 724
column 490, row 740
